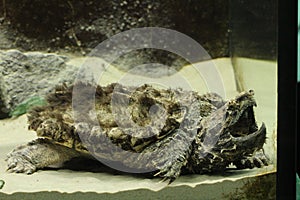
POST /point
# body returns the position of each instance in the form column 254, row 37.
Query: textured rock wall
column 83, row 24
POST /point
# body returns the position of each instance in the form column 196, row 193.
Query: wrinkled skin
column 168, row 132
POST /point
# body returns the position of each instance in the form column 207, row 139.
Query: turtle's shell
column 131, row 117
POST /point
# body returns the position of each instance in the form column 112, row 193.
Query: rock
column 25, row 75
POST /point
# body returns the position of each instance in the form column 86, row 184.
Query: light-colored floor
column 259, row 75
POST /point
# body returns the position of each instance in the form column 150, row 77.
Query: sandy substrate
column 14, row 132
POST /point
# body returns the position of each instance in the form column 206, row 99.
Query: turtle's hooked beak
column 251, row 142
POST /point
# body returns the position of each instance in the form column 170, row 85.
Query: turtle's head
column 241, row 125
column 239, row 115
column 232, row 130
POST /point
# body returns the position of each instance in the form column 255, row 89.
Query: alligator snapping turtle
column 162, row 131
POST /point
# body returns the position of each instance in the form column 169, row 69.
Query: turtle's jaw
column 251, row 142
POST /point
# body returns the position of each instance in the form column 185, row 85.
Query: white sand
column 14, row 132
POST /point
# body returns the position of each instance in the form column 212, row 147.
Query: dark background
column 287, row 83
column 222, row 27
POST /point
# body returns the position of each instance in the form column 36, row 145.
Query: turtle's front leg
column 170, row 154
column 38, row 154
